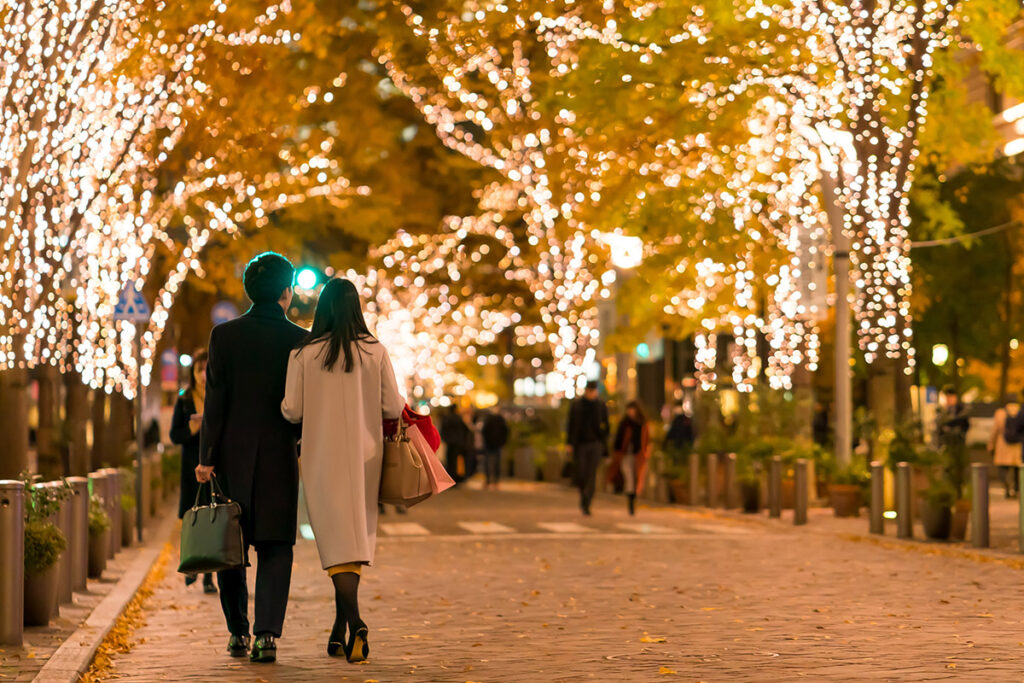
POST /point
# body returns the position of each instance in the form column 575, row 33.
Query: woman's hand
column 203, row 473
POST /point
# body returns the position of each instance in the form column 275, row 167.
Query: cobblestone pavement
column 517, row 586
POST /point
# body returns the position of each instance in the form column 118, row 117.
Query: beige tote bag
column 404, row 479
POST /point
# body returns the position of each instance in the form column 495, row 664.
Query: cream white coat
column 342, row 444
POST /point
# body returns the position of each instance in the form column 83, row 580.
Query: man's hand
column 568, row 449
column 203, row 473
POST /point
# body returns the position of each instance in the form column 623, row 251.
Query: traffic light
column 307, row 278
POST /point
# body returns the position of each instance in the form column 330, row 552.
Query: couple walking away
column 268, row 384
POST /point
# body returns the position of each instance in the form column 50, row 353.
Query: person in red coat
column 631, row 449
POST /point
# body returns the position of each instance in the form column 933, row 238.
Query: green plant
column 940, row 493
column 99, row 520
column 854, row 474
column 127, row 489
column 749, row 468
column 44, row 543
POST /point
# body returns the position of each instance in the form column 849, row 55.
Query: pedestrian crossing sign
column 131, row 305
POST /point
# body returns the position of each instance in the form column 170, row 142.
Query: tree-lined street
column 668, row 595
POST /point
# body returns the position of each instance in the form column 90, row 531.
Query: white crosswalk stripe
column 565, row 527
column 646, row 528
column 486, row 528
column 404, row 529
column 722, row 529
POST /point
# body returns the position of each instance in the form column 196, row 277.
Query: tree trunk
column 13, row 422
column 882, row 402
column 119, row 431
column 803, row 395
column 50, row 461
column 76, row 417
column 1004, row 346
column 99, row 427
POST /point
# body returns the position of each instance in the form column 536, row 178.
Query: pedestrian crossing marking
column 646, row 528
column 404, row 529
column 565, row 527
column 486, row 528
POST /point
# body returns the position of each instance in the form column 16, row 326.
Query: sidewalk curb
column 75, row 655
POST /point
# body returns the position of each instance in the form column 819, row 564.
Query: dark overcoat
column 250, row 445
column 182, row 435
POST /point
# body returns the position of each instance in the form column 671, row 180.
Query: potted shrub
column 846, row 489
column 128, row 504
column 44, row 544
column 99, row 536
column 748, row 476
column 936, row 509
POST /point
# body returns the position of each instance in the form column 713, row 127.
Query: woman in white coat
column 341, row 385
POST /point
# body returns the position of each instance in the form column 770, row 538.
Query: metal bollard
column 800, row 507
column 904, row 504
column 115, row 508
column 775, row 486
column 78, row 539
column 695, row 478
column 712, row 483
column 12, row 558
column 64, row 524
column 110, row 503
column 979, row 510
column 731, row 497
column 877, row 510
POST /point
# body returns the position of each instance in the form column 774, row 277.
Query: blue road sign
column 223, row 311
column 131, row 305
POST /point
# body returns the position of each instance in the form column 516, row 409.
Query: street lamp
column 940, row 354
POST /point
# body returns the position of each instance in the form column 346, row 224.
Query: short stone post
column 801, row 482
column 775, row 486
column 877, row 509
column 904, row 505
column 979, row 511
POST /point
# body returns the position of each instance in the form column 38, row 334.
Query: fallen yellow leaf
column 665, row 671
column 653, row 639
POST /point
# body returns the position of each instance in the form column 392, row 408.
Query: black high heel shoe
column 358, row 648
column 337, row 642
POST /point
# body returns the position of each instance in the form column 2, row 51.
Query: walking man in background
column 248, row 445
column 587, row 437
column 495, row 435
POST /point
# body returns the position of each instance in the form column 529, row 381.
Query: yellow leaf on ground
column 653, row 639
column 665, row 671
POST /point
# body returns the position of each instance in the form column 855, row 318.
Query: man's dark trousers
column 588, row 457
column 273, row 572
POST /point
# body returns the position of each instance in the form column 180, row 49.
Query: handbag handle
column 215, row 492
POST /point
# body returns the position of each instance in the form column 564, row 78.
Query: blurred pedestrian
column 631, row 448
column 587, row 439
column 494, row 430
column 340, row 385
column 456, row 436
column 1006, row 454
column 249, row 446
column 474, row 441
column 185, row 424
column 680, row 435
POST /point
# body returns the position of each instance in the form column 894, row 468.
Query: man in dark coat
column 587, row 436
column 251, row 449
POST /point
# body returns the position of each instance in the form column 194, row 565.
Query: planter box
column 961, row 515
column 936, row 520
column 552, row 470
column 750, row 496
column 788, row 494
column 679, row 489
column 98, row 544
column 41, row 596
column 522, row 466
column 845, row 499
column 127, row 527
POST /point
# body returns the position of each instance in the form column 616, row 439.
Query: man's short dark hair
column 591, row 384
column 266, row 277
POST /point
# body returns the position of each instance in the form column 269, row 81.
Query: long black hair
column 338, row 320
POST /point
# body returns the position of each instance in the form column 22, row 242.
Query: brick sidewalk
column 688, row 597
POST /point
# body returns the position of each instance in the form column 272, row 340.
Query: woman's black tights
column 346, row 601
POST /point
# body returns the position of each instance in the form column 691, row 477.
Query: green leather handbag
column 211, row 535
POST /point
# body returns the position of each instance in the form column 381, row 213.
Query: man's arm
column 570, row 425
column 214, row 411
